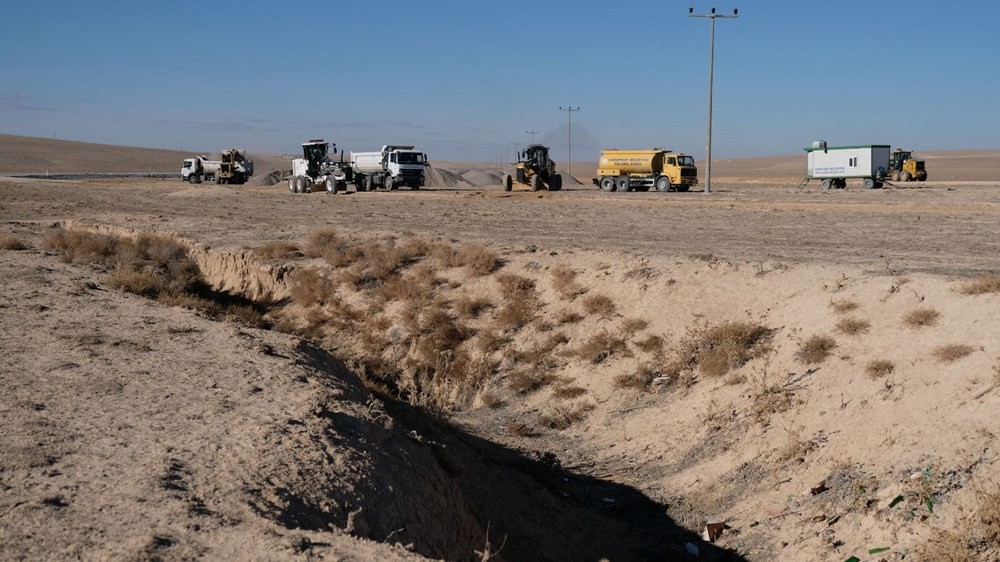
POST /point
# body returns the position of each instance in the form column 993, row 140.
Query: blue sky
column 465, row 79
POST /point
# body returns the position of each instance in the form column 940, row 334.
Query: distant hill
column 32, row 155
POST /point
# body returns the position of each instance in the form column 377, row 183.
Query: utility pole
column 532, row 133
column 711, row 71
column 569, row 136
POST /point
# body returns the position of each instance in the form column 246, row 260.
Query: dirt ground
column 133, row 429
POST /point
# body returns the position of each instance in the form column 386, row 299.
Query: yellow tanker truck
column 638, row 170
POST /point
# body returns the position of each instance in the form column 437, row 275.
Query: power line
column 711, row 71
column 569, row 137
column 532, row 133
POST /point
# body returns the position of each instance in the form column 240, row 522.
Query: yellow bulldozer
column 534, row 169
column 902, row 167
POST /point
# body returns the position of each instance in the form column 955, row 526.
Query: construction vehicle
column 315, row 168
column 389, row 168
column 232, row 168
column 902, row 167
column 834, row 165
column 534, row 169
column 639, row 170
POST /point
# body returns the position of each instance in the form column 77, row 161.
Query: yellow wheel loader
column 902, row 167
column 534, row 169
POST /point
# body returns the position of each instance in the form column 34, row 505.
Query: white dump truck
column 393, row 166
column 834, row 165
column 232, row 168
column 317, row 169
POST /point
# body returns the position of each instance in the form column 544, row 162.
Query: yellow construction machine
column 534, row 169
column 902, row 167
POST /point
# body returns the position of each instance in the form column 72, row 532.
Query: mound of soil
column 439, row 177
column 271, row 178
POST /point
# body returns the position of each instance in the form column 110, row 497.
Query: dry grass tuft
column 815, row 349
column 322, row 242
column 82, row 247
column 278, row 251
column 601, row 346
column 567, row 391
column 479, row 260
column 853, row 326
column 309, row 287
column 632, row 326
column 952, row 352
column 921, row 317
column 599, row 304
column 525, row 380
column 561, row 417
column 490, row 399
column 468, row 307
column 8, row 242
column 727, row 346
column 973, row 540
column 521, row 301
column 878, row 368
column 638, row 379
column 513, row 286
column 652, row 344
column 981, row 285
column 564, row 282
column 567, row 317
column 840, row 307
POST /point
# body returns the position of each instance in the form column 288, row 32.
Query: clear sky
column 464, row 79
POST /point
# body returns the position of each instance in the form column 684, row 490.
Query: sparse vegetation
column 853, row 326
column 567, row 391
column 8, row 242
column 952, row 352
column 468, row 307
column 981, row 285
column 815, row 349
column 921, row 317
column 568, row 317
column 652, row 344
column 479, row 260
column 564, row 282
column 560, row 417
column 601, row 346
column 714, row 351
column 278, row 251
column 632, row 326
column 841, row 307
column 601, row 305
column 639, row 379
column 878, row 368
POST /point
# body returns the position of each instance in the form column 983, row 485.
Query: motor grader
column 534, row 169
column 902, row 167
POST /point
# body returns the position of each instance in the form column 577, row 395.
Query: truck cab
column 404, row 165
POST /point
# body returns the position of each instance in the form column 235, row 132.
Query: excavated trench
column 473, row 498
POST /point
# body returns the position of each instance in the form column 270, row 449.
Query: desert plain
column 766, row 372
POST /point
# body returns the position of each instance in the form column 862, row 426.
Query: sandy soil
column 137, row 430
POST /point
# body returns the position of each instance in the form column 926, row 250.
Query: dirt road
column 946, row 228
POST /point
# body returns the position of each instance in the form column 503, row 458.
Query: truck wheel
column 894, row 176
column 607, row 183
column 922, row 177
column 904, row 176
column 622, row 184
column 194, row 178
column 663, row 184
column 331, row 186
column 555, row 182
column 869, row 183
column 536, row 182
column 826, row 184
column 508, row 183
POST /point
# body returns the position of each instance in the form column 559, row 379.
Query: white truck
column 393, row 166
column 834, row 165
column 232, row 168
column 315, row 168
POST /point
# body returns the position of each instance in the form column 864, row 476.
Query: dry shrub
column 952, row 352
column 920, row 317
column 815, row 349
column 601, row 346
column 322, row 242
column 490, row 399
column 525, row 380
column 768, row 398
column 631, row 326
column 641, row 270
column 468, row 307
column 840, row 307
column 479, row 260
column 309, row 287
column 488, row 341
column 76, row 246
column 521, row 301
column 795, row 448
column 278, row 251
column 878, row 368
column 981, row 285
column 567, row 317
column 415, row 247
column 139, row 282
column 568, row 391
column 853, row 326
column 639, row 379
column 971, row 540
column 8, row 242
column 652, row 344
column 447, row 255
column 561, row 417
column 521, row 429
column 599, row 304
column 513, row 286
column 727, row 346
column 564, row 282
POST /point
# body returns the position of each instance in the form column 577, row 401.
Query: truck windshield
column 685, row 161
column 411, row 158
column 187, row 163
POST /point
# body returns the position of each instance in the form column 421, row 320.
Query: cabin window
column 853, row 162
